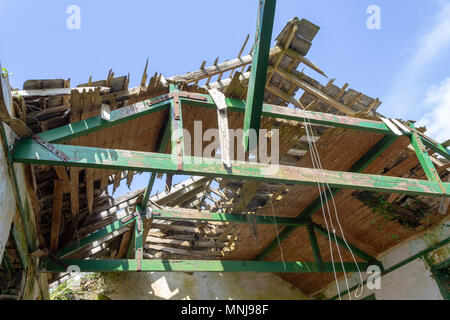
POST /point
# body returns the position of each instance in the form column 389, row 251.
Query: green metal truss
column 29, row 151
column 359, row 166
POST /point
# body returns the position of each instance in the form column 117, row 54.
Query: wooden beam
column 204, row 215
column 56, row 213
column 54, row 92
column 222, row 120
column 316, row 92
column 219, row 68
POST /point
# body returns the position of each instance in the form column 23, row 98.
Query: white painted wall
column 195, row 286
column 412, row 281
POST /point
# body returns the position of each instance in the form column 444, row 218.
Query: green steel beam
column 260, row 61
column 279, row 112
column 359, row 166
column 424, row 158
column 198, row 266
column 314, row 243
column 170, row 214
column 75, row 246
column 328, row 119
column 193, row 214
column 29, row 151
column 118, row 116
column 84, row 127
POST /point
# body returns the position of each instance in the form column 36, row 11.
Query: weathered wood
column 222, row 120
column 56, row 213
column 220, row 68
column 90, row 189
column 258, row 75
column 62, row 175
column 54, row 92
column 6, row 109
column 294, row 78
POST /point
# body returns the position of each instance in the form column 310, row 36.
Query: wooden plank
column 29, row 151
column 74, row 193
column 220, row 68
column 54, row 92
column 6, row 108
column 258, row 75
column 316, row 92
column 222, row 120
column 56, row 213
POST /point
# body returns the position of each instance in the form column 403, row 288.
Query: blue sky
column 405, row 63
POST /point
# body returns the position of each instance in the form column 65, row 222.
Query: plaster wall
column 198, row 285
column 412, row 281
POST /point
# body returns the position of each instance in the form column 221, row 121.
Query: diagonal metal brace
column 47, row 145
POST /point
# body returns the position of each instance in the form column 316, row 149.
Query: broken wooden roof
column 86, row 205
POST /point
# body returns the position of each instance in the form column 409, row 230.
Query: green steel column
column 23, row 214
column 260, row 61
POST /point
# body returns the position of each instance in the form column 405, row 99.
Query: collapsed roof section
column 74, row 202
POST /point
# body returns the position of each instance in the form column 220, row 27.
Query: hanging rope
column 276, row 227
column 317, row 164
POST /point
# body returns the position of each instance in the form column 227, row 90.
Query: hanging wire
column 315, row 155
column 276, row 227
column 313, row 160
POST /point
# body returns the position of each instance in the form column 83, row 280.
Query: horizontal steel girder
column 29, row 151
column 84, row 127
column 193, row 214
column 198, row 266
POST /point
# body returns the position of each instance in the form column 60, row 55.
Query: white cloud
column 437, row 104
column 407, row 89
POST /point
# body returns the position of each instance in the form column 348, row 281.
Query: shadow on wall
column 199, row 285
